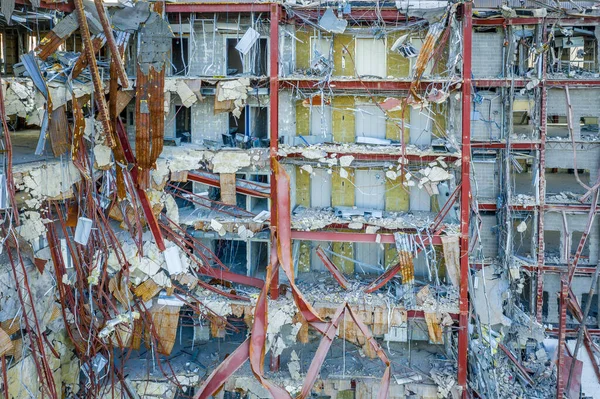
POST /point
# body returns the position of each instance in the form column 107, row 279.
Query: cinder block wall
column 487, row 54
column 489, row 121
column 484, row 179
column 489, row 237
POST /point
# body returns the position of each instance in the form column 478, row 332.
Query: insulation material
column 165, row 320
column 434, row 327
column 228, row 191
column 452, row 258
column 6, row 344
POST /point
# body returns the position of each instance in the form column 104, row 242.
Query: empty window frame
column 183, row 123
column 552, row 246
column 420, row 127
column 255, row 62
column 576, row 51
column 370, row 189
column 370, row 121
column 251, row 203
column 563, row 180
column 233, row 254
column 370, row 57
column 180, row 56
column 522, row 107
column 369, row 258
column 320, row 120
column 320, row 189
column 251, row 129
column 556, row 127
column 588, row 127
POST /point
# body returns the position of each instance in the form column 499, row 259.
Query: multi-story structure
column 417, row 179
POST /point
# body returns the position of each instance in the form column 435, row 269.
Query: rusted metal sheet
column 58, row 131
column 142, row 196
column 335, row 272
column 116, row 58
column 149, row 121
column 96, row 79
column 57, row 36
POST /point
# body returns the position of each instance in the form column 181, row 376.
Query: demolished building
column 333, row 199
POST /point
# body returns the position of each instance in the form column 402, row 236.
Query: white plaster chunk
column 522, row 227
column 103, row 156
column 230, row 161
column 372, row 229
column 390, row 174
column 32, row 226
column 313, row 153
column 218, row 227
column 186, row 94
column 343, row 173
column 172, row 208
column 244, row 233
column 355, row 225
column 307, row 168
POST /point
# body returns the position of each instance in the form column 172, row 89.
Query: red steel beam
column 541, row 191
column 559, row 269
column 338, row 236
column 356, row 84
column 560, row 377
column 335, row 272
column 385, row 157
column 465, row 198
column 58, row 6
column 502, row 146
column 188, row 7
column 275, row 14
column 143, row 197
column 534, row 21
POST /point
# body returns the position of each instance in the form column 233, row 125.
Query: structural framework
column 299, row 199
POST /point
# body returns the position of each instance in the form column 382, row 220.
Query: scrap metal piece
column 339, row 277
column 331, row 23
column 116, row 58
column 52, row 41
column 33, row 69
column 97, row 81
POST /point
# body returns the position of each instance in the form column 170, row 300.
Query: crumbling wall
column 210, row 126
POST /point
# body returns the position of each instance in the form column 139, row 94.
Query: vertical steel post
column 465, row 198
column 274, row 125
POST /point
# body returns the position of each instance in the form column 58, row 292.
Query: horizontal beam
column 64, row 7
column 338, row 236
column 561, row 269
column 500, row 146
column 573, row 208
column 215, row 7
column 520, row 82
column 363, row 14
column 357, row 84
column 591, row 20
column 359, row 156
